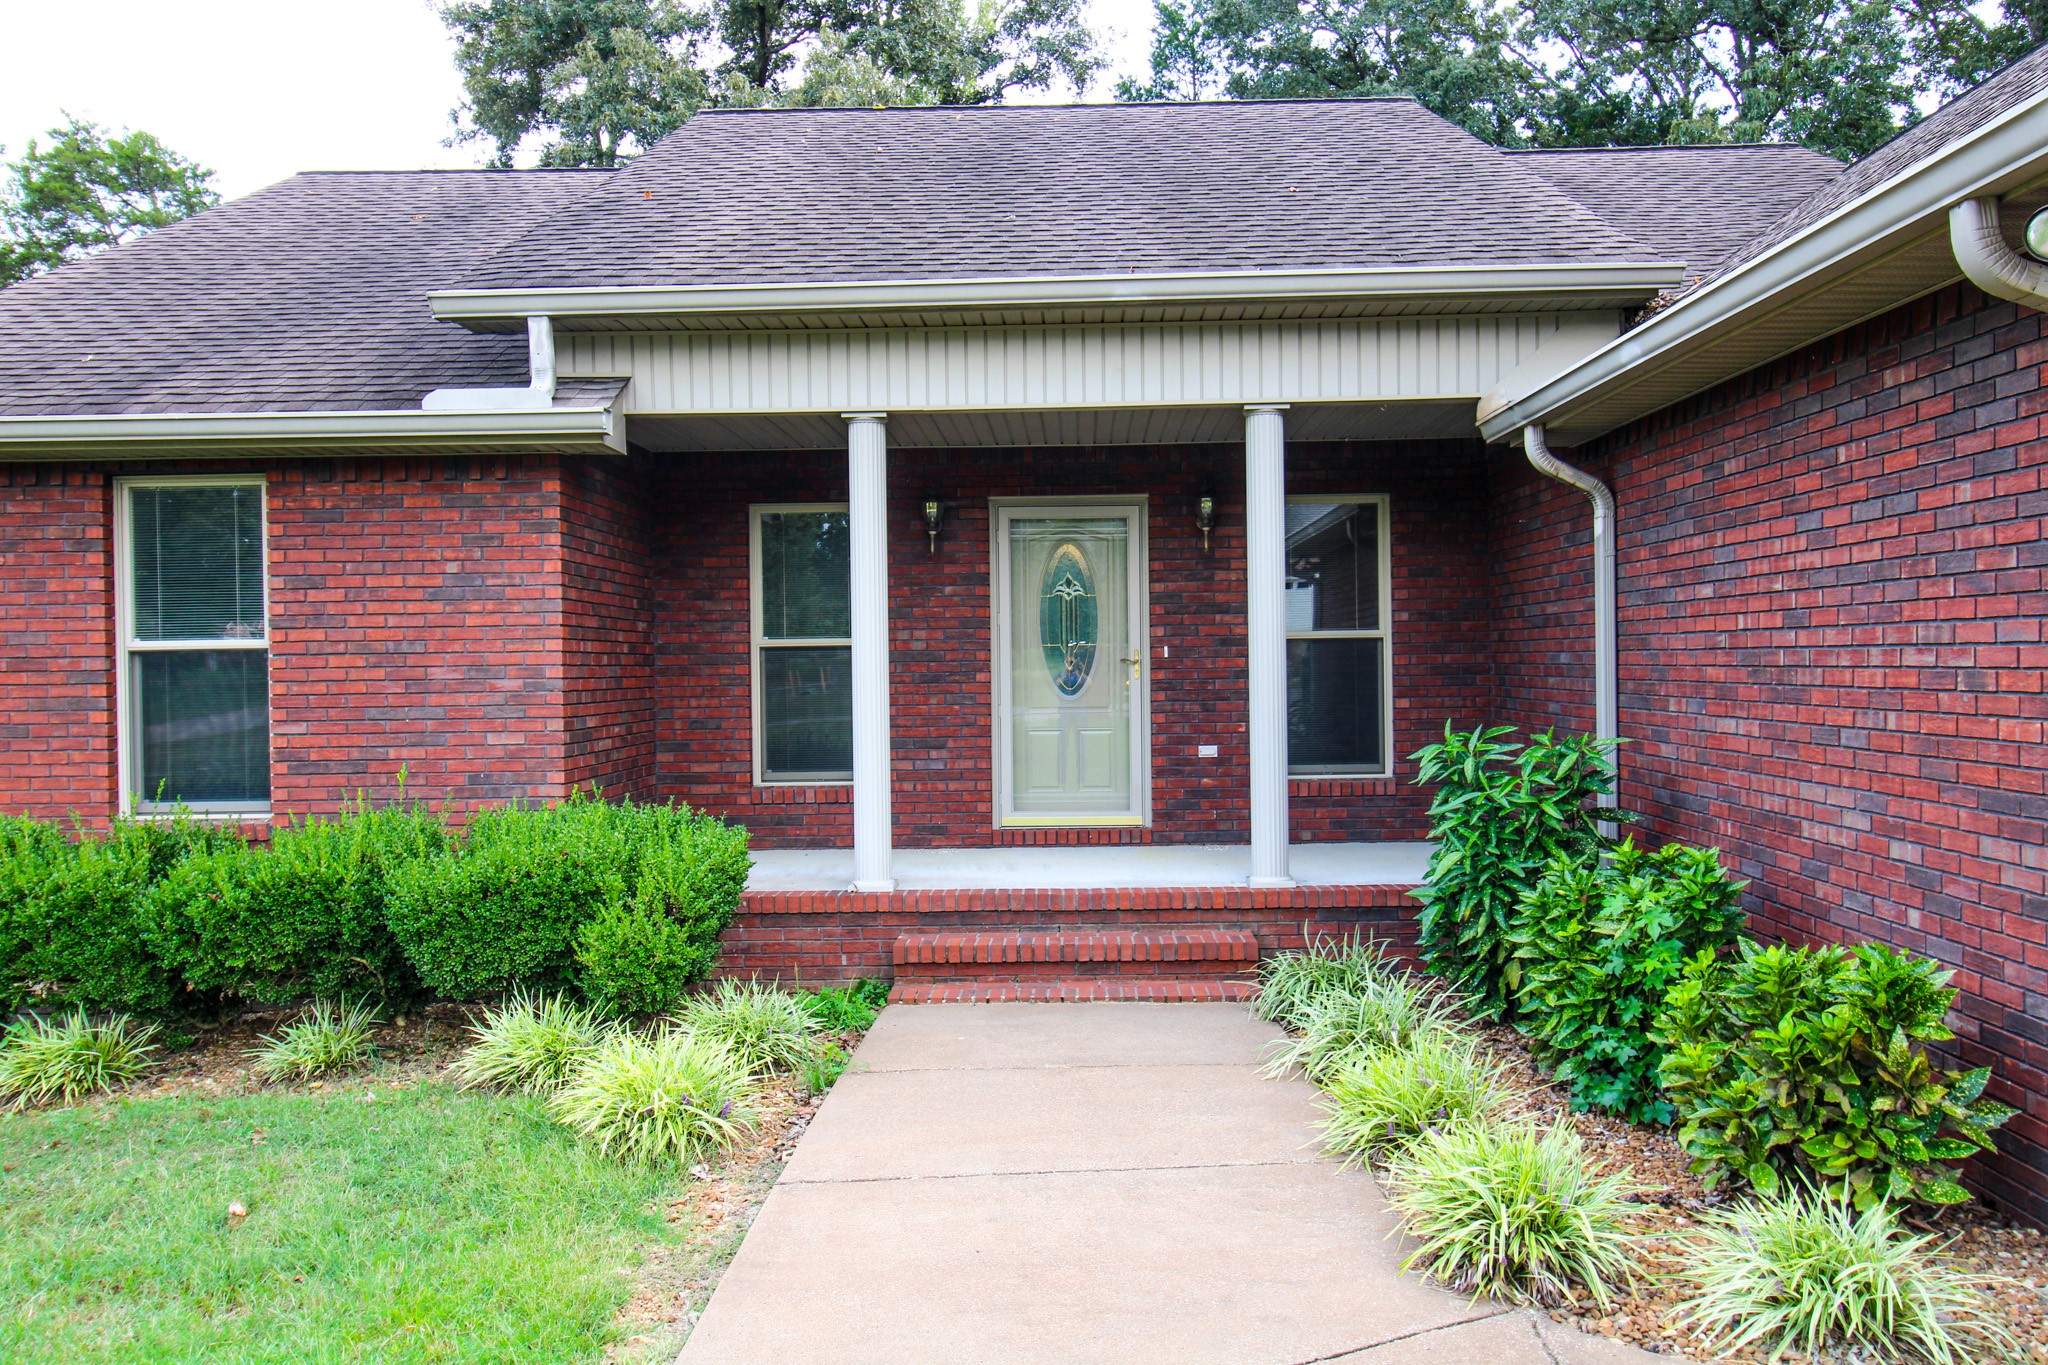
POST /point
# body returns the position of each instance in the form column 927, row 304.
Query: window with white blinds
column 194, row 645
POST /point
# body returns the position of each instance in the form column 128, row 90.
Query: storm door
column 1070, row 666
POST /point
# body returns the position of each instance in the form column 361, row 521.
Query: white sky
column 259, row 89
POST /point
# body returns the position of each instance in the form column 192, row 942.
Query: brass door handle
column 1135, row 661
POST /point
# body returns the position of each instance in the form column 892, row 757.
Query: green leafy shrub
column 1511, row 1211
column 672, row 1097
column 635, row 961
column 532, row 1044
column 28, row 851
column 1805, row 1271
column 1805, row 1063
column 42, row 1060
column 1290, row 982
column 505, row 906
column 308, row 915
column 850, row 1008
column 1501, row 812
column 822, row 1067
column 324, row 1039
column 760, row 1027
column 1600, row 942
column 1393, row 1097
column 1342, row 1028
column 80, row 920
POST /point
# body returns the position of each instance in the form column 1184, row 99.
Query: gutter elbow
column 1989, row 260
column 539, row 392
column 1606, row 610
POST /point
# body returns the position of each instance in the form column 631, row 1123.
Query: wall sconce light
column 934, row 517
column 1205, row 516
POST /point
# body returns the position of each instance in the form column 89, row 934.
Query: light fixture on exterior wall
column 1205, row 516
column 2036, row 236
column 934, row 517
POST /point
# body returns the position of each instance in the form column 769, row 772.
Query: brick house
column 1050, row 530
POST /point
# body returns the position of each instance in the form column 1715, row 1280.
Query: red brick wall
column 940, row 632
column 607, row 546
column 56, row 642
column 1832, row 659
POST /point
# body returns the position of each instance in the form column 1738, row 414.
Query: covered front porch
column 1150, row 867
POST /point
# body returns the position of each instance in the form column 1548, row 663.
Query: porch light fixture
column 934, row 517
column 2037, row 235
column 1205, row 516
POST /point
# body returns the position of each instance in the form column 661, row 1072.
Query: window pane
column 1335, row 713
column 203, row 720
column 198, row 562
column 1333, row 566
column 803, row 576
column 807, row 713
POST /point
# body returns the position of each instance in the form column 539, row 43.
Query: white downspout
column 1606, row 706
column 538, row 393
column 1989, row 260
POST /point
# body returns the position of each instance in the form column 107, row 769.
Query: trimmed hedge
column 622, row 900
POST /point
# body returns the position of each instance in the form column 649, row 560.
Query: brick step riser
column 1054, row 971
column 1165, row 990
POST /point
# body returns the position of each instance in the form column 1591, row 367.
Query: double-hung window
column 1337, row 664
column 192, row 601
column 803, row 644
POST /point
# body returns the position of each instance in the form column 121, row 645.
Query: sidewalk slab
column 1119, row 1033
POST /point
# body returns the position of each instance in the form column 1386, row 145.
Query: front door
column 1071, row 671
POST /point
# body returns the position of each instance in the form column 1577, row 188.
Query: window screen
column 803, row 664
column 1336, row 639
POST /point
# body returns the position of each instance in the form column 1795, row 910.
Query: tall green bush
column 1806, row 1064
column 507, row 905
column 307, row 916
column 1600, row 942
column 28, row 848
column 1501, row 812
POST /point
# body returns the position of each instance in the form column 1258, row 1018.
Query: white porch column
column 867, row 502
column 1265, row 526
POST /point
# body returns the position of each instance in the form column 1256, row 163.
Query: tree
column 1842, row 76
column 594, row 82
column 86, row 191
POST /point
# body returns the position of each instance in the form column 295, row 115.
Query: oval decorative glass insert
column 1066, row 619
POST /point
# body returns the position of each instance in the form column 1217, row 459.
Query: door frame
column 1137, row 508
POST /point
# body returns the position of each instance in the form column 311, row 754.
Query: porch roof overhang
column 583, row 429
column 1085, row 299
column 1880, row 249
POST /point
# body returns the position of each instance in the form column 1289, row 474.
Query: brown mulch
column 2011, row 1258
column 413, row 1046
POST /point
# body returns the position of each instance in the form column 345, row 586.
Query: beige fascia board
column 1594, row 285
column 159, row 434
column 1897, row 212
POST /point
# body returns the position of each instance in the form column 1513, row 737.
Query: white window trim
column 757, row 641
column 1385, row 634
column 126, row 645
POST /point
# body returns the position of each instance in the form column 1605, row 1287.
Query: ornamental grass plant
column 1390, row 1098
column 763, row 1028
column 1805, row 1270
column 325, row 1039
column 531, row 1044
column 1290, row 982
column 672, row 1097
column 1512, row 1211
column 1343, row 1027
column 69, row 1056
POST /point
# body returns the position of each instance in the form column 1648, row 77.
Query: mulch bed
column 2012, row 1258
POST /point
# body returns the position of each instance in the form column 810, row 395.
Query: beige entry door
column 1071, row 671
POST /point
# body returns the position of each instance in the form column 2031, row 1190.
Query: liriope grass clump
column 671, row 1097
column 531, row 1044
column 69, row 1056
column 763, row 1028
column 1342, row 1028
column 1512, row 1211
column 1392, row 1097
column 1291, row 982
column 1804, row 1270
column 326, row 1038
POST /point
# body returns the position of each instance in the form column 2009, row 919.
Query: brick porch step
column 1036, row 955
column 1164, row 989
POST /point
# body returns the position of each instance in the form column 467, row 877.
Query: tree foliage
column 85, row 190
column 594, row 82
column 1841, row 76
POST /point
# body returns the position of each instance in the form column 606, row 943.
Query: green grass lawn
column 431, row 1225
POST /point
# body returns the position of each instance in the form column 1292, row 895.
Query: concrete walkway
column 1079, row 1183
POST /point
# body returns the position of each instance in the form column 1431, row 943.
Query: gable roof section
column 306, row 296
column 1696, row 204
column 860, row 195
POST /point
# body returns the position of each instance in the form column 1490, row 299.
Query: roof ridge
column 1662, row 147
column 1043, row 108
column 466, row 170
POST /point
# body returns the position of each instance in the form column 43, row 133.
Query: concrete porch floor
column 1119, row 866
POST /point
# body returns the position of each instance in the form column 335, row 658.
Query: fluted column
column 1265, row 520
column 867, row 503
